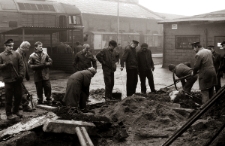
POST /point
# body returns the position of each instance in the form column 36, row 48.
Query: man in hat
column 207, row 74
column 11, row 61
column 108, row 58
column 40, row 62
column 130, row 58
column 217, row 62
column 22, row 50
column 145, row 67
column 77, row 90
column 84, row 59
column 181, row 70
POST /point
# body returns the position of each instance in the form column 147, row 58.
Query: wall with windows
column 177, row 42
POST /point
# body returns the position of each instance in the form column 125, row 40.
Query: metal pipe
column 80, row 136
column 87, row 136
column 195, row 117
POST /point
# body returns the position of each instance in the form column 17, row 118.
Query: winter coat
column 204, row 64
column 77, row 85
column 108, row 59
column 83, row 61
column 24, row 58
column 130, row 57
column 144, row 59
column 40, row 65
column 7, row 72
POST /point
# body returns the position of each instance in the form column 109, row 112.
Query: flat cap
column 8, row 41
column 92, row 70
column 222, row 43
column 135, row 42
column 144, row 45
column 172, row 67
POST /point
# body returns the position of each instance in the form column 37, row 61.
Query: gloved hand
column 27, row 77
column 19, row 79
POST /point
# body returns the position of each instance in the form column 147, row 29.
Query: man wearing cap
column 40, row 62
column 108, row 58
column 181, row 70
column 10, row 60
column 130, row 57
column 77, row 90
column 217, row 64
column 145, row 67
column 84, row 59
column 207, row 74
column 22, row 50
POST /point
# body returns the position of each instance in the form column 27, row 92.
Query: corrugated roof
column 207, row 17
column 102, row 7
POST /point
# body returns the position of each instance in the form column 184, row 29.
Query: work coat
column 77, row 87
column 204, row 64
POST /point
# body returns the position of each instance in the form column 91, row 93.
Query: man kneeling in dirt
column 181, row 70
column 77, row 90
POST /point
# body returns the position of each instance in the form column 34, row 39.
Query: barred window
column 184, row 42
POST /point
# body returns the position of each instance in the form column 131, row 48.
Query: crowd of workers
column 208, row 67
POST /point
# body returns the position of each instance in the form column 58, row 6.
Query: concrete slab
column 64, row 126
column 27, row 124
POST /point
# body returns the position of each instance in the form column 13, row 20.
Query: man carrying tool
column 130, row 57
column 84, row 59
column 182, row 70
column 77, row 90
column 40, row 62
column 145, row 67
column 108, row 58
column 217, row 64
column 207, row 74
column 24, row 47
column 10, row 59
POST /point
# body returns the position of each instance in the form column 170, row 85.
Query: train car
column 50, row 22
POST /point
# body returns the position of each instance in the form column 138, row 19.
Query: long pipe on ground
column 80, row 136
column 87, row 136
column 195, row 117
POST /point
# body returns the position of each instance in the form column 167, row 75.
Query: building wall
column 127, row 25
column 207, row 33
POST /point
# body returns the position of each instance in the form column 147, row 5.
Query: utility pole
column 118, row 20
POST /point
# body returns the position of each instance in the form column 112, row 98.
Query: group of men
column 14, row 67
column 208, row 67
column 137, row 62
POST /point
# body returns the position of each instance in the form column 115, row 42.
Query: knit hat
column 171, row 67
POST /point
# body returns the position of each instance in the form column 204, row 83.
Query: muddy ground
column 135, row 121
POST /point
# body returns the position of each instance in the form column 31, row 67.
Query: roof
column 216, row 16
column 103, row 7
column 38, row 30
column 167, row 16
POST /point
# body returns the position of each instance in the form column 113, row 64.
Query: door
column 97, row 41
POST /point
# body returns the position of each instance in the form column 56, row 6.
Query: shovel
column 29, row 96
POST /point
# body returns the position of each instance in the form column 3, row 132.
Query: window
column 184, row 42
column 35, row 7
column 74, row 20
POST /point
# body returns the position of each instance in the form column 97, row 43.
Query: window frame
column 187, row 36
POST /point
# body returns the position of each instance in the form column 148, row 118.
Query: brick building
column 135, row 22
column 180, row 33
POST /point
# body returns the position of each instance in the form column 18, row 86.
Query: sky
column 184, row 7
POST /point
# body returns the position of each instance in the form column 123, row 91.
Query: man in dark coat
column 130, row 57
column 77, row 48
column 10, row 59
column 84, row 59
column 22, row 50
column 217, row 64
column 181, row 70
column 145, row 67
column 108, row 58
column 77, row 90
column 207, row 74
